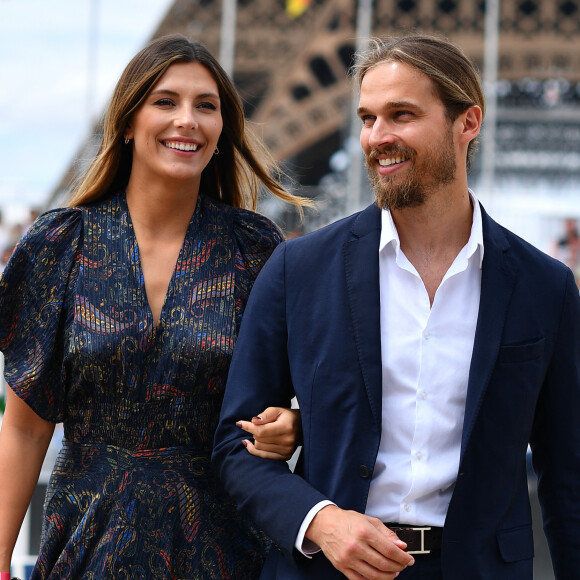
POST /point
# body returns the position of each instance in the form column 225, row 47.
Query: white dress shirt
column 426, row 354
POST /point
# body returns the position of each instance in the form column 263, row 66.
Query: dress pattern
column 133, row 494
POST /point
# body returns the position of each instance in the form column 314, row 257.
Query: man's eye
column 367, row 120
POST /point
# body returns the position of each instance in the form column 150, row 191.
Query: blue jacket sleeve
column 555, row 440
column 260, row 377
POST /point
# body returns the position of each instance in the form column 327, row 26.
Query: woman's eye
column 208, row 105
column 164, row 102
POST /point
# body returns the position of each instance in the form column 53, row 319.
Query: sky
column 59, row 62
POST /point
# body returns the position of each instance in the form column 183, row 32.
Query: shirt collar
column 390, row 236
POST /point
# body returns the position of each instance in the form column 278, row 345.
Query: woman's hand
column 277, row 432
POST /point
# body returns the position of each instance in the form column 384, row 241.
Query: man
column 426, row 346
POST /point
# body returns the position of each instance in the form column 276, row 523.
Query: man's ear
column 470, row 123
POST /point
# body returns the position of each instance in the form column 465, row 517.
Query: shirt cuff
column 302, row 544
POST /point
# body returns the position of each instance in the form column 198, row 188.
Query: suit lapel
column 497, row 282
column 361, row 258
column 362, row 283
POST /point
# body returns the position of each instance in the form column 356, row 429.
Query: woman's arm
column 24, row 439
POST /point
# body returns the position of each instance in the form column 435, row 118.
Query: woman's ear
column 128, row 134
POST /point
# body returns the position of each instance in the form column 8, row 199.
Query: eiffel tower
column 293, row 72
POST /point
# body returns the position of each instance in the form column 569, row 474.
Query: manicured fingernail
column 238, row 423
column 245, row 442
column 258, row 417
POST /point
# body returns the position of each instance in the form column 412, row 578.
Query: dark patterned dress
column 133, row 494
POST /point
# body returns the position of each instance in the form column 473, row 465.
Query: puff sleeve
column 36, row 298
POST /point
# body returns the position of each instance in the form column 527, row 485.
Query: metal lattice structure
column 292, row 73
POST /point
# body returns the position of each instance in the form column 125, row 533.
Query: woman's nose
column 186, row 119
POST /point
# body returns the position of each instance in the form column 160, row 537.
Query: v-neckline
column 138, row 268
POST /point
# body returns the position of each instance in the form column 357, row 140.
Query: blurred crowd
column 535, row 93
column 11, row 234
column 567, row 247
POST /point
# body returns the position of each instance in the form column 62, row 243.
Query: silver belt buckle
column 422, row 550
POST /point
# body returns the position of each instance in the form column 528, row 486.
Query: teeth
column 390, row 161
column 181, row 146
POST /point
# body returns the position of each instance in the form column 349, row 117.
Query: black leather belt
column 419, row 539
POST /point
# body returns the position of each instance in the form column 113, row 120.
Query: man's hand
column 358, row 545
column 277, row 432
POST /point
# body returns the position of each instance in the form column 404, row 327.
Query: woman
column 118, row 316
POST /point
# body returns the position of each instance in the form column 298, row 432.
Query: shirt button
column 364, row 471
column 423, row 395
column 407, row 507
column 426, row 335
column 418, row 455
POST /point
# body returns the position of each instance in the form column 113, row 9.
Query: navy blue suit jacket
column 311, row 330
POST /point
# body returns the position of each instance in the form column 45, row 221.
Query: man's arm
column 260, row 377
column 279, row 501
column 556, row 440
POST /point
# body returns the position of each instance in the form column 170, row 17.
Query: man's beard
column 437, row 168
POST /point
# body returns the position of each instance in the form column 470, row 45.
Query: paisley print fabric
column 133, row 494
